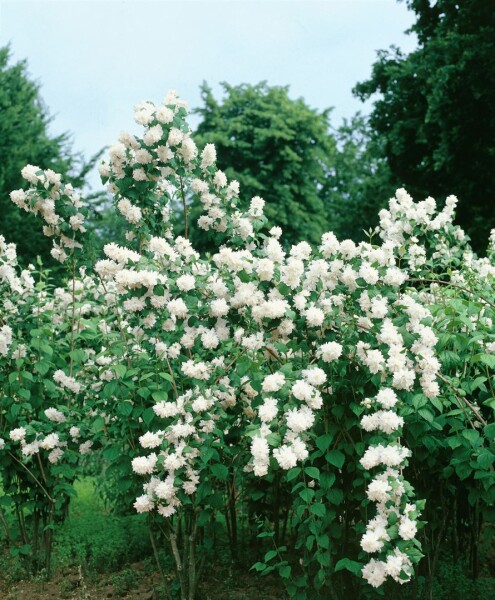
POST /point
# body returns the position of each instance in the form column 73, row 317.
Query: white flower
column 378, row 491
column 16, row 435
column 86, row 447
column 143, row 504
column 274, row 382
column 374, row 573
column 285, row 456
column 150, row 440
column 29, row 173
column 144, row 465
column 66, row 381
column 219, row 307
column 208, row 156
column 330, row 351
column 55, row 415
column 178, row 308
column 299, row 420
column 185, row 283
column 256, row 207
column 407, row 528
column 5, row 339
column 55, row 455
column 314, row 376
column 268, row 410
column 302, row 390
column 314, row 316
column 164, row 114
column 371, row 542
column 151, row 137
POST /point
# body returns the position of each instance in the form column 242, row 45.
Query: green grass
column 97, row 540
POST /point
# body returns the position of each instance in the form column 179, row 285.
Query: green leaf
column 485, row 459
column 318, row 509
column 312, row 472
column 472, row 435
column 220, row 472
column 487, row 359
column 349, row 565
column 426, row 414
column 307, row 495
column 335, row 496
column 125, row 408
column 159, row 396
column 42, row 367
column 144, row 392
column 120, row 370
column 293, row 473
column 78, row 356
column 111, row 453
column 269, row 555
column 98, row 424
column 284, row 571
column 148, row 416
column 323, row 558
column 335, row 458
column 490, row 431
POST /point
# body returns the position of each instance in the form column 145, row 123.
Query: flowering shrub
column 199, row 376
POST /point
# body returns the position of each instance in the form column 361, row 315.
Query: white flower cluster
column 43, row 196
column 190, row 419
column 390, row 493
column 50, row 442
column 5, row 339
column 67, row 382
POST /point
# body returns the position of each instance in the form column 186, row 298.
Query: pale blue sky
column 95, row 59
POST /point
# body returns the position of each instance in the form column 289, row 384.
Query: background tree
column 25, row 139
column 359, row 183
column 277, row 148
column 435, row 108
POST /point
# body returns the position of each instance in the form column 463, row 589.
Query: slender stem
column 158, row 564
column 20, row 521
column 6, row 527
column 41, row 467
column 122, row 333
column 33, row 476
column 454, row 285
column 173, row 378
column 178, row 561
column 192, row 559
column 465, row 400
column 185, row 206
column 231, row 364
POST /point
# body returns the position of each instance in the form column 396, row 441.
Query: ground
column 99, row 555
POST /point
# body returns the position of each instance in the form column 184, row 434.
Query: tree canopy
column 359, row 183
column 434, row 108
column 277, row 148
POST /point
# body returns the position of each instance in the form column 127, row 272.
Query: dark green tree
column 359, row 183
column 435, row 108
column 277, row 148
column 25, row 139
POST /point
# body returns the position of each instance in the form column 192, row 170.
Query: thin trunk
column 158, row 564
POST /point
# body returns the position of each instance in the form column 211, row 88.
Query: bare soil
column 74, row 584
